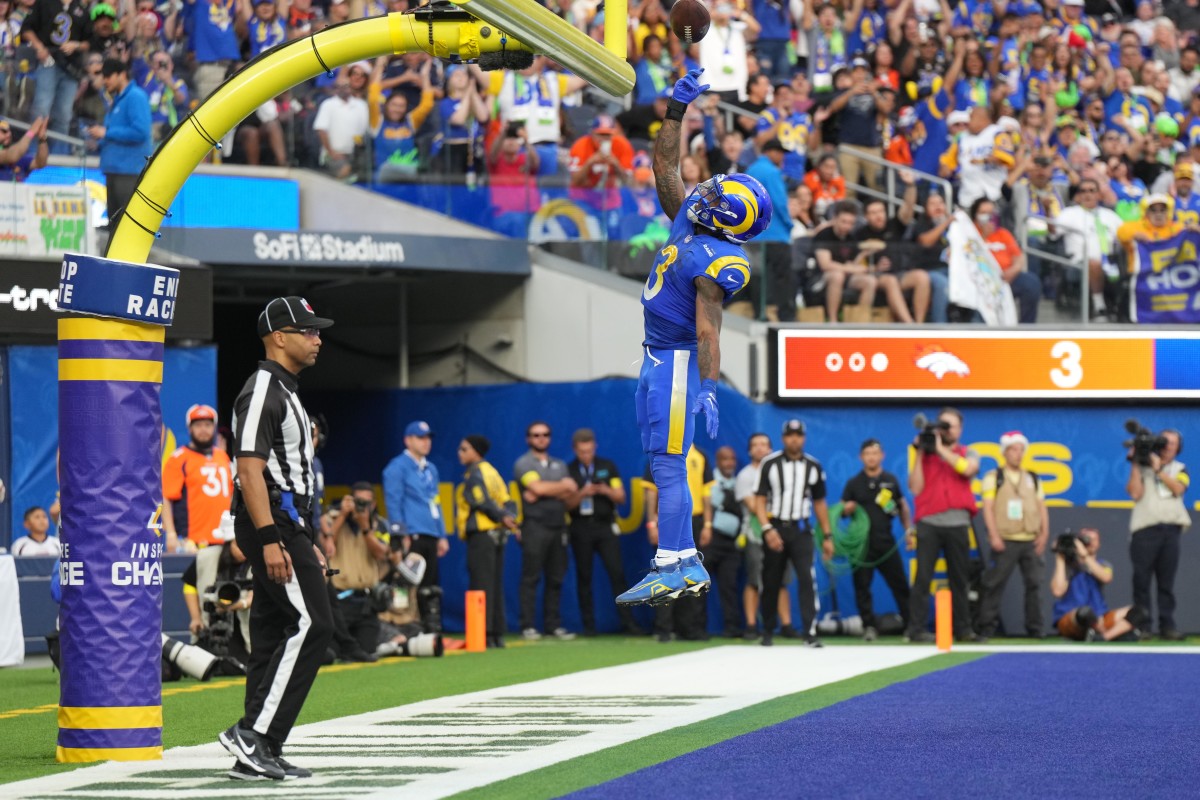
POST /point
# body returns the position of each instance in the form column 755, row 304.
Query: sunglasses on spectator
column 539, row 434
column 161, row 65
column 311, row 333
column 1042, row 162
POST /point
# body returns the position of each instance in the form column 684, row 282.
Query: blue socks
column 674, row 506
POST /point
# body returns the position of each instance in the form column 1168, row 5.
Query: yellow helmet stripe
column 735, row 188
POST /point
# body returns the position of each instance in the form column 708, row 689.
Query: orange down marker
column 476, row 621
column 943, row 625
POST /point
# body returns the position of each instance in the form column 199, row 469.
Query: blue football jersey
column 1187, row 209
column 669, row 298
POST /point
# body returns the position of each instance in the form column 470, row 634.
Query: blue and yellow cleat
column 660, row 586
column 694, row 574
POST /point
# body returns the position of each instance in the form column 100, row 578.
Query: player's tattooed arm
column 666, row 167
column 709, row 300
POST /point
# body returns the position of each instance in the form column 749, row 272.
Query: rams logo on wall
column 562, row 220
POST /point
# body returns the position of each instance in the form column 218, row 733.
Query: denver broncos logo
column 942, row 363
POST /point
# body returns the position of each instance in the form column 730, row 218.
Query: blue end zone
column 1017, row 725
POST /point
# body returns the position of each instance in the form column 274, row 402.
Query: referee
column 291, row 623
column 790, row 488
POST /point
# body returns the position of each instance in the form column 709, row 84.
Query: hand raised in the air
column 688, row 88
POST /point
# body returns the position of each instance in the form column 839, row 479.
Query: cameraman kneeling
column 1080, row 612
column 1157, row 483
column 359, row 548
column 216, row 593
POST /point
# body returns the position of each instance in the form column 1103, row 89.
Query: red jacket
column 945, row 489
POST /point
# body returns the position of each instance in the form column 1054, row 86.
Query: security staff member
column 545, row 487
column 790, row 489
column 358, row 548
column 1157, row 522
column 292, row 623
column 410, row 489
column 486, row 515
column 593, row 508
column 877, row 493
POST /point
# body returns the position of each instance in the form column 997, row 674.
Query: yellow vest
column 484, row 484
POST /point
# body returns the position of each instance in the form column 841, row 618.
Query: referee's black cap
column 794, row 426
column 289, row 312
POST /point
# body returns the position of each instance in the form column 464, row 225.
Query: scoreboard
column 984, row 364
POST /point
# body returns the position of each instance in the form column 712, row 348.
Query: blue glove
column 688, row 88
column 706, row 401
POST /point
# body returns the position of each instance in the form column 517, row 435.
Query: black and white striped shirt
column 270, row 423
column 791, row 486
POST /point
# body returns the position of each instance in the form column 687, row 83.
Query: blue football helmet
column 734, row 206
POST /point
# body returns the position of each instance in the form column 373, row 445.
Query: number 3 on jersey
column 654, row 283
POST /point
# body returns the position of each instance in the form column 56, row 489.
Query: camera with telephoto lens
column 361, row 505
column 930, row 433
column 1064, row 545
column 1144, row 443
column 221, row 595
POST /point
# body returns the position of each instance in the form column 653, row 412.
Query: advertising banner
column 975, row 278
column 1166, row 280
column 893, row 363
column 44, row 220
column 110, row 469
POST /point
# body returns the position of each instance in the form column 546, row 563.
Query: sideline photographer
column 395, row 599
column 1080, row 612
column 1156, row 484
column 217, row 593
column 940, row 482
column 359, row 548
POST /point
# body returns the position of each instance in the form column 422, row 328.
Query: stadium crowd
column 1069, row 107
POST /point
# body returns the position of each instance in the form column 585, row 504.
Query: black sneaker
column 240, row 772
column 768, row 640
column 290, row 770
column 360, row 657
column 251, row 750
column 1172, row 635
column 750, row 635
column 812, row 641
column 919, row 637
column 789, row 632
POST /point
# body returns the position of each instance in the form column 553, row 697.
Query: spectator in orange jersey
column 197, row 484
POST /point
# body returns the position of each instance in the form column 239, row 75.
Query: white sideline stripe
column 757, row 675
column 291, row 653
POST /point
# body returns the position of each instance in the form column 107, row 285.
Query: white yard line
column 439, row 747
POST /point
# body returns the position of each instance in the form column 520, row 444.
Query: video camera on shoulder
column 930, row 433
column 1144, row 443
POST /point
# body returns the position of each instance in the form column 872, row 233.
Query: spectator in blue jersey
column 931, row 135
column 791, row 128
column 1035, row 76
column 777, row 238
column 771, row 46
column 1080, row 611
column 59, row 34
column 263, row 27
column 975, row 88
column 395, row 150
column 169, row 95
column 462, row 112
column 213, row 43
column 21, row 157
column 124, row 137
column 654, row 71
column 410, row 490
column 867, row 27
column 1123, row 109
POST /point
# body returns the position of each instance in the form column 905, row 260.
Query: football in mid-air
column 689, row 20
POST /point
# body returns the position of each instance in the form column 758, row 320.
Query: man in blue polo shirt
column 410, row 489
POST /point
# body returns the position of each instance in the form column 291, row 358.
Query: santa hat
column 1007, row 440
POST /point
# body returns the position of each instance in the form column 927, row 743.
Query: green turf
column 596, row 768
column 190, row 718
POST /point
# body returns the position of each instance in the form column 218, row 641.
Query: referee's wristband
column 268, row 534
column 676, row 110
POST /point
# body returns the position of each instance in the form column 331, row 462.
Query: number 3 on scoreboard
column 1069, row 372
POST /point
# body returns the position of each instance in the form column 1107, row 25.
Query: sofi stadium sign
column 332, row 247
column 878, row 364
